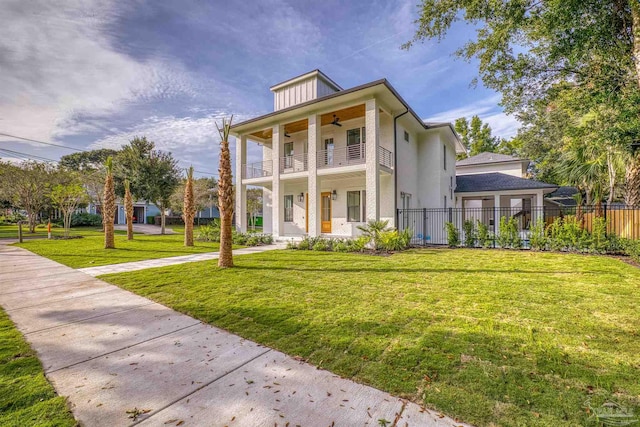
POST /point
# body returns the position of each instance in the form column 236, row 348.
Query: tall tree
column 109, row 206
column 534, row 51
column 225, row 197
column 87, row 160
column 153, row 174
column 68, row 197
column 128, row 208
column 205, row 194
column 28, row 186
column 188, row 208
column 476, row 136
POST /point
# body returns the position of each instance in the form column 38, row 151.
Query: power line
column 41, row 142
column 70, row 148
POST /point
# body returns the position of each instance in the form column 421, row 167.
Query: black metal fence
column 428, row 225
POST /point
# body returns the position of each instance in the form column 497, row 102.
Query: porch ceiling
column 344, row 114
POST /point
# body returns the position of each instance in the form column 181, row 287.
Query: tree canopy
column 565, row 68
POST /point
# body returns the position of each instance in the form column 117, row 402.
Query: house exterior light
column 301, row 197
column 334, row 195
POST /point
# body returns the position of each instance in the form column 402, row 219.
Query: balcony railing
column 343, row 156
column 385, row 157
column 295, row 163
column 257, row 170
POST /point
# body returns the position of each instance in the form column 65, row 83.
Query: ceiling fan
column 336, row 121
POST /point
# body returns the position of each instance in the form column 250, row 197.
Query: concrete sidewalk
column 174, row 260
column 124, row 360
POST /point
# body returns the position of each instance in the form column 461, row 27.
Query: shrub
column 599, row 242
column 503, row 237
column 373, row 229
column 358, row 244
column 538, row 237
column 470, row 237
column 555, row 232
column 266, row 239
column 321, row 245
column 209, row 233
column 239, row 239
column 151, row 219
column 484, row 237
column 393, row 240
column 340, row 246
column 12, row 218
column 292, row 245
column 86, row 219
column 631, row 248
column 253, row 240
column 453, row 235
column 515, row 241
column 305, row 244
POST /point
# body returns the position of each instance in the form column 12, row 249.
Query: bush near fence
column 568, row 229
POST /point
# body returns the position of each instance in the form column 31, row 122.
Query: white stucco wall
column 508, row 168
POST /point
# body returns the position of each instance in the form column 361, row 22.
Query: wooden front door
column 306, row 211
column 325, row 213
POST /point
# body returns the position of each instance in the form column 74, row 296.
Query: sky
column 96, row 73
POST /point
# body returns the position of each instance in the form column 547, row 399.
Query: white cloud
column 193, row 140
column 501, row 124
column 57, row 63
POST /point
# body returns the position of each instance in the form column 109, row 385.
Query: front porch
column 341, row 206
column 323, row 174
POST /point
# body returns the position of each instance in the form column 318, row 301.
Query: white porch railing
column 257, row 170
column 385, row 157
column 343, row 156
column 295, row 163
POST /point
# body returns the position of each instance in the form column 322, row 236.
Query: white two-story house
column 334, row 158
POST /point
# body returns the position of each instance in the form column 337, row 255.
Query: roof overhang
column 315, row 73
column 379, row 89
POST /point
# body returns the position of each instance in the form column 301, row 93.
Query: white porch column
column 313, row 183
column 372, row 125
column 241, row 189
column 496, row 213
column 277, row 198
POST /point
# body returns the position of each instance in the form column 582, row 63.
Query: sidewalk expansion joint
column 200, row 388
column 63, row 299
column 88, row 318
column 123, row 348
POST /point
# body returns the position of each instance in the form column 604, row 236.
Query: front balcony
column 294, row 163
column 343, row 156
column 257, row 170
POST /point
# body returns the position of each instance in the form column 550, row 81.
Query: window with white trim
column 356, row 206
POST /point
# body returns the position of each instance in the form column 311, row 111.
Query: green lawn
column 491, row 337
column 26, row 397
column 89, row 251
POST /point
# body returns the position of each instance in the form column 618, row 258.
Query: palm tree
column 128, row 208
column 188, row 209
column 109, row 206
column 225, row 197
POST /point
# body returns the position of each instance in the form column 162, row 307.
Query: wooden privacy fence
column 428, row 225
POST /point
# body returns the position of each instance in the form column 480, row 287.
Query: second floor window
column 288, row 208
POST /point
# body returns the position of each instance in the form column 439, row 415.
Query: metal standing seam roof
column 496, row 181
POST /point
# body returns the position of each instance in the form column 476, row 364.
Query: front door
column 325, row 208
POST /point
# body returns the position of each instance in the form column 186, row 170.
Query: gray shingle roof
column 496, row 182
column 485, row 157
